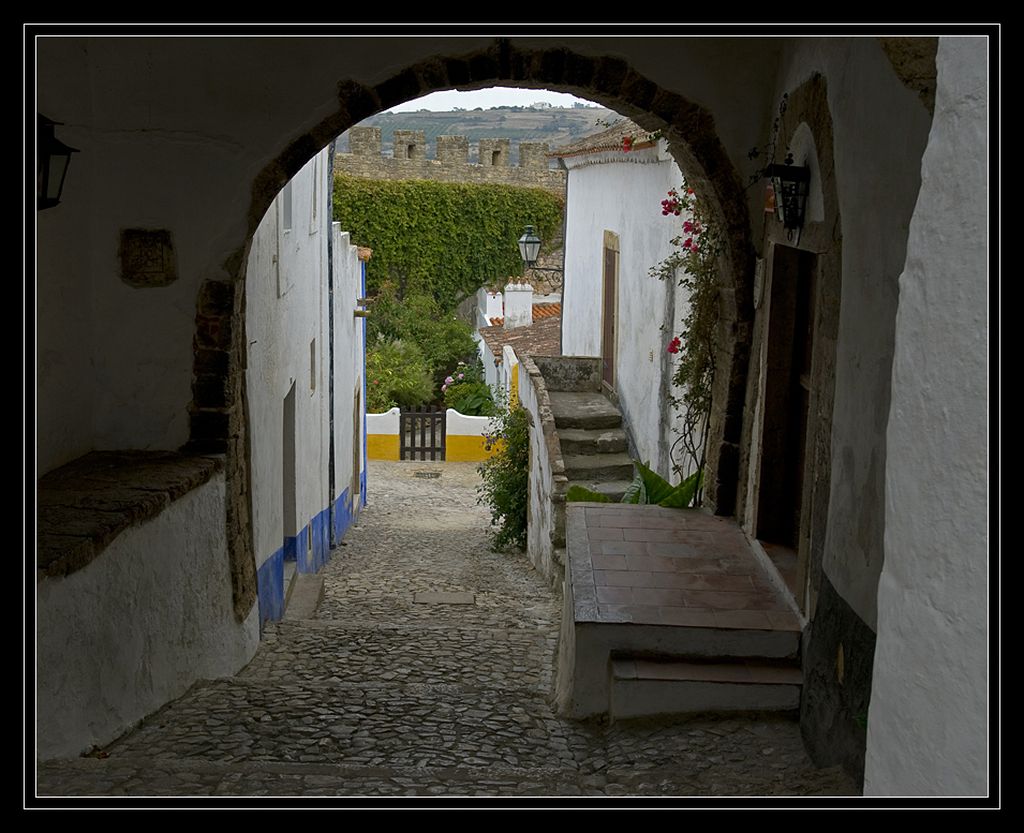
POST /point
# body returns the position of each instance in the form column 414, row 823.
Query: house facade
column 895, row 130
column 305, row 381
column 612, row 307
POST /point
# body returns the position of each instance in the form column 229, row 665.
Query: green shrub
column 396, row 374
column 443, row 239
column 443, row 339
column 470, row 398
column 648, row 487
column 506, row 479
column 466, row 391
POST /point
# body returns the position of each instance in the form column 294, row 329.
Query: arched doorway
column 607, row 80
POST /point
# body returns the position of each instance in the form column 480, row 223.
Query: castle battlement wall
column 452, row 163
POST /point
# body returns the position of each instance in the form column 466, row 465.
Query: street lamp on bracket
column 529, row 251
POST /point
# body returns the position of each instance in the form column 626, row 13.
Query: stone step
column 644, row 688
column 597, row 441
column 598, row 466
column 583, row 410
column 614, row 489
column 305, row 591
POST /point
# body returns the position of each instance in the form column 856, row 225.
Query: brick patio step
column 642, row 688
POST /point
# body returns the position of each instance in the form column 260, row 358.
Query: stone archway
column 219, row 421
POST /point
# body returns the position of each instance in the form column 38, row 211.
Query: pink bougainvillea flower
column 448, row 380
column 462, row 375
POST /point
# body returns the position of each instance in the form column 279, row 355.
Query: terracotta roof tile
column 609, row 139
column 546, row 310
column 542, row 338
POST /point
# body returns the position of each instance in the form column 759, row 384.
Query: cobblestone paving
column 382, row 695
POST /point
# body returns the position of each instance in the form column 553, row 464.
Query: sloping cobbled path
column 381, row 695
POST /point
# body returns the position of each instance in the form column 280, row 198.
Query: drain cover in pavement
column 426, row 474
column 441, row 597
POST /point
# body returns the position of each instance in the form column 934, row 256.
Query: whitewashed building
column 305, row 383
column 611, row 306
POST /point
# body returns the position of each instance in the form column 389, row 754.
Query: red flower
column 627, row 144
column 674, row 345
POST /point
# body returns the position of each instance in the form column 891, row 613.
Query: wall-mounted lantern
column 529, row 247
column 791, row 184
column 529, row 251
column 53, row 159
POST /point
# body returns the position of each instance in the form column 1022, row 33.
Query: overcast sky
column 492, row 97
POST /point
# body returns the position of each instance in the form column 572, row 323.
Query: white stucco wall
column 880, row 127
column 467, row 425
column 385, row 423
column 279, row 329
column 541, row 512
column 928, row 726
column 64, row 366
column 138, row 625
column 349, row 332
column 639, row 181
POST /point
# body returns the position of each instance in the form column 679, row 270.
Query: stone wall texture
column 452, row 162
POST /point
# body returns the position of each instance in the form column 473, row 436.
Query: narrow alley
column 427, row 671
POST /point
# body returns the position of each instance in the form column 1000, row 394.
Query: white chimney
column 494, row 308
column 518, row 305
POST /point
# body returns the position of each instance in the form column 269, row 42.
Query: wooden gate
column 421, row 431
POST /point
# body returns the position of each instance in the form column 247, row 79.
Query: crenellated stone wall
column 452, row 163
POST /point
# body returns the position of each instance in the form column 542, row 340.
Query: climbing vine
column 440, row 238
column 694, row 263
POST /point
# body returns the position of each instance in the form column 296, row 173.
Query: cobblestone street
column 390, row 693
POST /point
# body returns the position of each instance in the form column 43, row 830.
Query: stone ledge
column 84, row 505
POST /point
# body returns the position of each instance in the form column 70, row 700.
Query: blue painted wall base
column 270, row 588
column 310, row 550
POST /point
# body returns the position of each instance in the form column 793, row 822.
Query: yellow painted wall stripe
column 382, row 446
column 514, row 385
column 465, row 449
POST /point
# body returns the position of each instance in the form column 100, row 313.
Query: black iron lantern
column 53, row 159
column 529, row 247
column 791, row 184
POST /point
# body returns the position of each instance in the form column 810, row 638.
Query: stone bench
column 85, row 504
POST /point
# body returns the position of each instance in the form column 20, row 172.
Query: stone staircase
column 593, row 442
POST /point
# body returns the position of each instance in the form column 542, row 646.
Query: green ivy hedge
column 441, row 238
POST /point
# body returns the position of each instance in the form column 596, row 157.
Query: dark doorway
column 786, row 401
column 611, row 270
